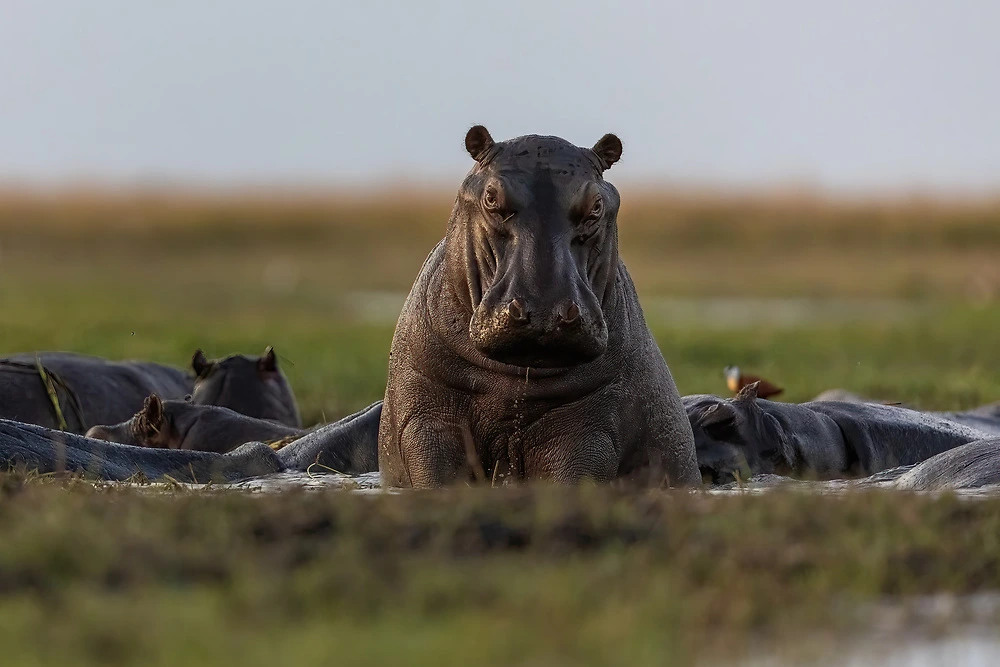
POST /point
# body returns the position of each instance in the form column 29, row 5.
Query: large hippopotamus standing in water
column 521, row 351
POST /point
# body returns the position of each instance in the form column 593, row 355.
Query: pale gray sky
column 855, row 94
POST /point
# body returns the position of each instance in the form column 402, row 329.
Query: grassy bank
column 528, row 576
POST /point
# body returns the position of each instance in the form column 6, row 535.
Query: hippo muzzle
column 540, row 313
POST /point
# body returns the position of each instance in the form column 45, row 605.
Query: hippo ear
column 478, row 141
column 269, row 362
column 748, row 394
column 152, row 414
column 719, row 421
column 200, row 364
column 609, row 149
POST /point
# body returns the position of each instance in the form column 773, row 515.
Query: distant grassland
column 673, row 243
column 898, row 298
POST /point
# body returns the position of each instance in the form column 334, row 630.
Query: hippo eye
column 491, row 200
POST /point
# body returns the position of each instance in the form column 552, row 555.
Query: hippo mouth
column 541, row 350
column 531, row 354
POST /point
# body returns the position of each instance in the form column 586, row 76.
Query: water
column 913, row 632
column 969, row 649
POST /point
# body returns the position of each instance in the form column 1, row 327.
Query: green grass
column 529, row 576
column 898, row 301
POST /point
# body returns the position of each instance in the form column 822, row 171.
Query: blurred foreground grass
column 896, row 300
column 530, row 576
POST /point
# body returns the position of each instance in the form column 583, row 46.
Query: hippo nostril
column 516, row 312
column 569, row 313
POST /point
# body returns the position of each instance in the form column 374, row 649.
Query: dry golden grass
column 674, row 243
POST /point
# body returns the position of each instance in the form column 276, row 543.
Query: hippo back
column 884, row 436
column 91, row 390
column 44, row 450
column 985, row 418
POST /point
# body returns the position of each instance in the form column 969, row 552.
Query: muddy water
column 957, row 631
column 370, row 483
column 962, row 649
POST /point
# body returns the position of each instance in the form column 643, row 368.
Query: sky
column 847, row 95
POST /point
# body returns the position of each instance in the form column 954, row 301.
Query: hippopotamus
column 253, row 386
column 347, row 446
column 182, row 424
column 521, row 352
column 89, row 390
column 45, row 451
column 823, row 439
column 970, row 466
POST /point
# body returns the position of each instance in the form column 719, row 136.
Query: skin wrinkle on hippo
column 185, row 425
column 521, row 351
column 108, row 391
column 253, row 386
column 826, row 439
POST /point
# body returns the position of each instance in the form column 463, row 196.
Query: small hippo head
column 533, row 248
column 735, row 436
column 252, row 386
column 153, row 426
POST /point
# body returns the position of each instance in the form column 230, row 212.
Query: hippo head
column 252, row 386
column 156, row 425
column 735, row 436
column 533, row 245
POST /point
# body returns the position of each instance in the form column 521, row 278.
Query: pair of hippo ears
column 202, row 366
column 478, row 142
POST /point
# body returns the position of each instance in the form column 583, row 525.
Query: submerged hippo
column 521, row 351
column 45, row 451
column 345, row 446
column 89, row 390
column 826, row 439
column 253, row 386
column 181, row 424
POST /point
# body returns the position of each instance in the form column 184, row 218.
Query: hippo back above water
column 522, row 351
column 89, row 390
column 826, row 439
